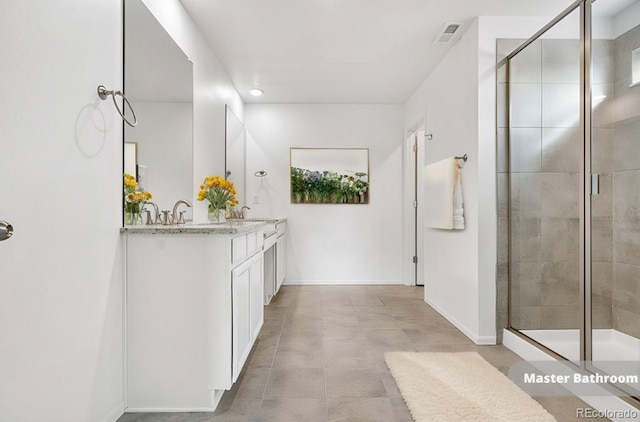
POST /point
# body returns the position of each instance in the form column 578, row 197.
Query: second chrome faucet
column 239, row 214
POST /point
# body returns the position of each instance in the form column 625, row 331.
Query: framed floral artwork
column 329, row 175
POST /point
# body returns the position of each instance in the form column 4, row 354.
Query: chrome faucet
column 174, row 215
column 156, row 219
column 238, row 214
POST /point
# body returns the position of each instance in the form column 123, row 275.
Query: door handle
column 6, row 230
column 595, row 184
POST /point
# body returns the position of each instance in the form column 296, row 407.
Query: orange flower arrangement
column 135, row 200
column 218, row 191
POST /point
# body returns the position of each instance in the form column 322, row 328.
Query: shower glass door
column 573, row 142
column 615, row 197
column 545, row 170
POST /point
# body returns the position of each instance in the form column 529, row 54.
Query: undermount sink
column 261, row 220
column 230, row 221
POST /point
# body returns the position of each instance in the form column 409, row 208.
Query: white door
column 414, row 147
column 60, row 188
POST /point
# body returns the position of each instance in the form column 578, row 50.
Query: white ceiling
column 612, row 8
column 338, row 51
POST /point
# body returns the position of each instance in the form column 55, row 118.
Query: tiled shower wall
column 626, row 189
column 545, row 163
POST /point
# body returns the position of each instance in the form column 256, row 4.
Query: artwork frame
column 329, row 175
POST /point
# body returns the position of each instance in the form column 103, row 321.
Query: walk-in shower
column 569, row 189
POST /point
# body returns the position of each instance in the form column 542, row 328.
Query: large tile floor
column 319, row 357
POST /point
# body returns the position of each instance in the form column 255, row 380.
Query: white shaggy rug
column 460, row 387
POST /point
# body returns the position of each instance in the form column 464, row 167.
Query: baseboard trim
column 169, row 409
column 487, row 340
column 214, row 397
column 473, row 336
column 114, row 414
column 342, row 282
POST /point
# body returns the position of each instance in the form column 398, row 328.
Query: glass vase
column 132, row 218
column 217, row 215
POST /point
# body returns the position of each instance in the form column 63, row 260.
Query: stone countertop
column 230, row 227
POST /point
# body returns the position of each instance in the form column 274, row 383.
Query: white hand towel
column 439, row 182
column 443, row 195
column 458, row 208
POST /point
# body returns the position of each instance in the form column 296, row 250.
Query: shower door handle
column 6, row 230
column 595, row 184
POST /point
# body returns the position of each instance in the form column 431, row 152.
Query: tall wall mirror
column 235, row 153
column 158, row 81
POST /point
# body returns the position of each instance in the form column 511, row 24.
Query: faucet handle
column 166, row 220
column 181, row 218
column 149, row 221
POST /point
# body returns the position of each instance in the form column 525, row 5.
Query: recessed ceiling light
column 256, row 92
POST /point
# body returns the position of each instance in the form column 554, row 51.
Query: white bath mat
column 460, row 387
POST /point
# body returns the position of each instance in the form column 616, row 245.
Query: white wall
column 457, row 102
column 61, row 187
column 212, row 90
column 448, row 99
column 331, row 243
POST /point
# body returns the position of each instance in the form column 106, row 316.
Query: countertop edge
column 226, row 228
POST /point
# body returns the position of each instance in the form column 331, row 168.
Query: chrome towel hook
column 103, row 93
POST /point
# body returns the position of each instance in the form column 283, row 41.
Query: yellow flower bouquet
column 220, row 193
column 134, row 199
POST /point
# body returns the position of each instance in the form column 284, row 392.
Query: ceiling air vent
column 448, row 32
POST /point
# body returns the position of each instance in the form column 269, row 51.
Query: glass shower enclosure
column 570, row 121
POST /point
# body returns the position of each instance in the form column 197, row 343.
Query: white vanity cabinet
column 193, row 312
column 281, row 255
column 275, row 257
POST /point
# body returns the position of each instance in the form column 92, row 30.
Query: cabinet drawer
column 252, row 242
column 238, row 249
column 244, row 246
